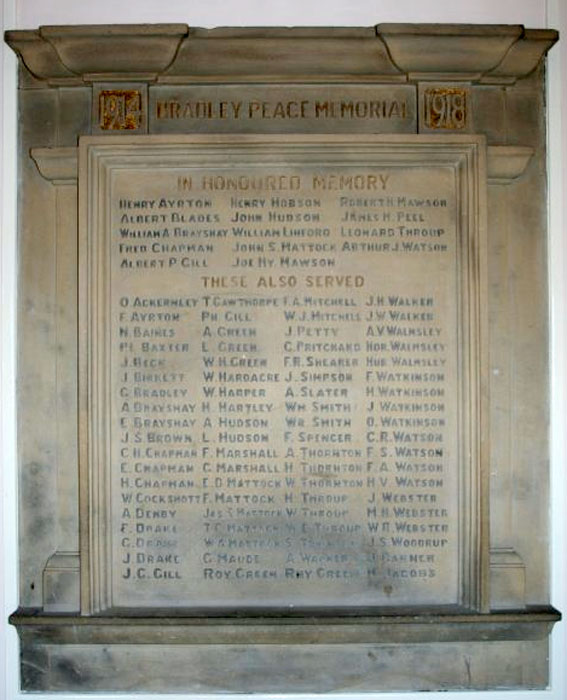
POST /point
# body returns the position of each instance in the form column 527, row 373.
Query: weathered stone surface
column 220, row 406
column 393, row 92
column 191, row 664
column 498, row 54
column 68, row 55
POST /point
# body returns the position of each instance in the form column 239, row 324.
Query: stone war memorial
column 283, row 359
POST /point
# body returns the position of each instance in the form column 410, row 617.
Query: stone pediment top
column 177, row 53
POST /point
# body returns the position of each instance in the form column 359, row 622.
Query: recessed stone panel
column 280, row 410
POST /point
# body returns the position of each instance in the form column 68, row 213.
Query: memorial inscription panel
column 254, row 325
column 282, row 371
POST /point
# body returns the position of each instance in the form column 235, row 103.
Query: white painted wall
column 211, row 13
column 29, row 14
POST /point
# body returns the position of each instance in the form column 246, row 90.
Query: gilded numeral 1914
column 120, row 109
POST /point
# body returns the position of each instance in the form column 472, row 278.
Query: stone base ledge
column 319, row 654
column 279, row 628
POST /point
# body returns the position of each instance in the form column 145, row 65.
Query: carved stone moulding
column 176, row 53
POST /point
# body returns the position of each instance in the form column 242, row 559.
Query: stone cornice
column 175, row 53
column 73, row 55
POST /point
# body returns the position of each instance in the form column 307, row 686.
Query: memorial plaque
column 282, row 363
column 282, row 410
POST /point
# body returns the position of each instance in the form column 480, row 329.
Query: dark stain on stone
column 33, row 669
column 73, row 675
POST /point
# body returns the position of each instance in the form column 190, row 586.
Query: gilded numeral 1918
column 445, row 108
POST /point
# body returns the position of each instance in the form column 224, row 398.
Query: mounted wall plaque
column 283, row 378
column 280, row 410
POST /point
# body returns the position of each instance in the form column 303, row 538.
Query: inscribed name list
column 284, row 384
